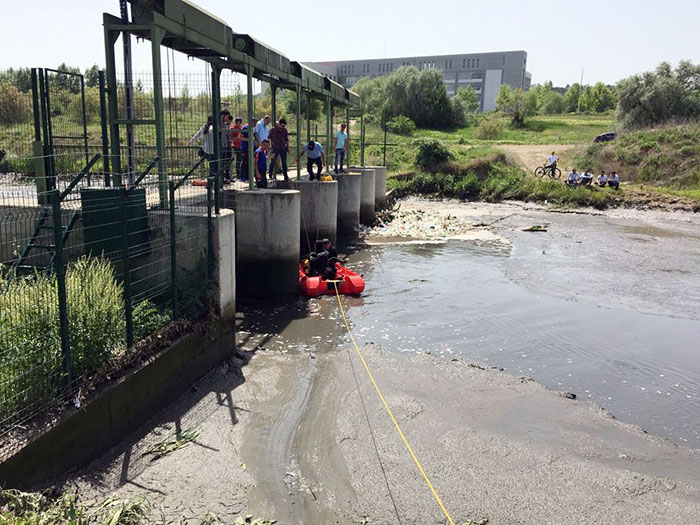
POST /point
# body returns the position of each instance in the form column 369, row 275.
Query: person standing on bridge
column 341, row 146
column 261, row 131
column 279, row 140
column 261, row 164
column 206, row 150
column 314, row 156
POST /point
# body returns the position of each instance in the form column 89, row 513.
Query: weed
column 169, row 445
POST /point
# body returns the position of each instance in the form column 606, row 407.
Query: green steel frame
column 183, row 27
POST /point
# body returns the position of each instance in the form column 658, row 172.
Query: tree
column 20, row 78
column 511, row 102
column 553, row 103
column 288, row 101
column 571, row 98
column 69, row 82
column 531, row 102
column 657, row 96
column 603, row 97
column 15, row 106
column 470, row 100
column 586, row 101
column 92, row 76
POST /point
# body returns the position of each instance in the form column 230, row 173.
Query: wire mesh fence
column 88, row 274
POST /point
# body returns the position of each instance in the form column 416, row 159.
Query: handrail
column 150, row 166
column 183, row 179
column 77, row 179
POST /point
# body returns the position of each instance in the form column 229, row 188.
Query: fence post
column 60, row 270
column 362, row 138
column 126, row 268
column 173, row 251
column 384, row 163
column 103, row 121
column 210, row 232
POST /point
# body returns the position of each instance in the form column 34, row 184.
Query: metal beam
column 156, row 38
column 251, row 128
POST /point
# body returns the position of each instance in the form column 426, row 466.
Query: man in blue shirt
column 261, row 164
column 341, row 146
column 314, row 155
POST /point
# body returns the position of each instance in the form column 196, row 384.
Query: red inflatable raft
column 347, row 281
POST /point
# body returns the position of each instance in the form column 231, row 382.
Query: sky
column 606, row 40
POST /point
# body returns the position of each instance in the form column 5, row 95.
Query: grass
column 169, row 445
column 34, row 508
column 667, row 158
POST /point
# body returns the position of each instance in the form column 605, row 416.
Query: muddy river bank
column 601, row 305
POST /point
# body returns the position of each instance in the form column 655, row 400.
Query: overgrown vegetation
column 488, row 176
column 668, row 156
column 653, row 98
column 418, row 95
column 31, row 362
column 34, row 508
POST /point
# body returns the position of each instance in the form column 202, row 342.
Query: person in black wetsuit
column 318, row 259
column 328, row 246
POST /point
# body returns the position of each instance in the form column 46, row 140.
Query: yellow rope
column 388, row 410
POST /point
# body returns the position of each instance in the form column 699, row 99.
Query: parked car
column 605, row 137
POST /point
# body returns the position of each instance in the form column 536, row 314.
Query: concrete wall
column 319, row 210
column 122, row 407
column 349, row 193
column 367, row 196
column 267, row 242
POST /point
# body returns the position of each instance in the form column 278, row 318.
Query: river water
column 470, row 300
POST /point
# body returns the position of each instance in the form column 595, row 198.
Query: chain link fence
column 88, row 275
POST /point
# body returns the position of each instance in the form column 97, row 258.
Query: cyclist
column 552, row 164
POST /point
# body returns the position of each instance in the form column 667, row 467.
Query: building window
column 477, row 62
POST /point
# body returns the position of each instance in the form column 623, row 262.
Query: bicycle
column 540, row 171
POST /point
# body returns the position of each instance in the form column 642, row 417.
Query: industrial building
column 485, row 72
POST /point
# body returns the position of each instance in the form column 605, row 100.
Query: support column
column 347, row 130
column 251, row 127
column 273, row 101
column 329, row 127
column 215, row 108
column 298, row 130
column 362, row 138
column 308, row 116
column 157, row 34
column 110, row 62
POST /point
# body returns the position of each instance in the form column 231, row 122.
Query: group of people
column 586, row 178
column 321, row 261
column 274, row 142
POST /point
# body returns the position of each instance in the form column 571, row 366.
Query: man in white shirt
column 602, row 178
column 261, row 131
column 586, row 178
column 573, row 178
column 552, row 163
column 341, row 145
column 614, row 180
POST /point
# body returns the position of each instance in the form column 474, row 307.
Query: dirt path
column 531, row 156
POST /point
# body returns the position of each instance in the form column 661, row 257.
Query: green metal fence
column 86, row 280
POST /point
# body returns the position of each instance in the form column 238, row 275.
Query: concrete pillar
column 224, row 244
column 367, row 197
column 349, row 192
column 319, row 211
column 379, row 184
column 267, row 242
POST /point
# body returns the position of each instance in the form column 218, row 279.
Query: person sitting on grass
column 614, row 180
column 573, row 178
column 586, row 178
column 602, row 178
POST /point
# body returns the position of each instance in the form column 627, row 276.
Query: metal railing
column 88, row 274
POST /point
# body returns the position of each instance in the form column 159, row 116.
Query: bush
column 15, row 106
column 489, row 128
column 431, row 153
column 469, row 187
column 31, row 359
column 401, row 125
